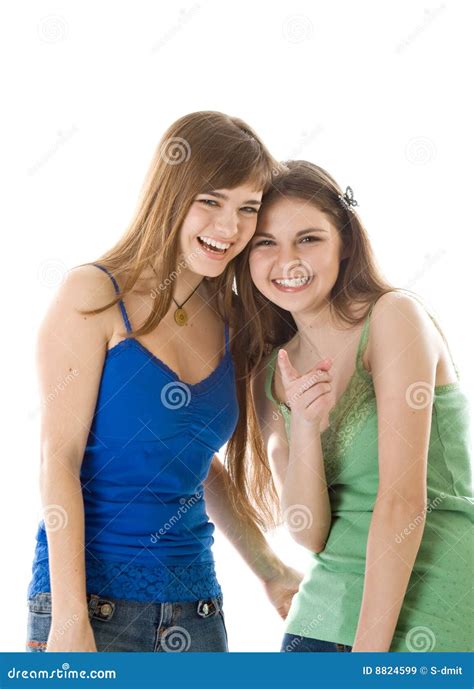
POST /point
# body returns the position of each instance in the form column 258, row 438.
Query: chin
column 293, row 303
column 207, row 271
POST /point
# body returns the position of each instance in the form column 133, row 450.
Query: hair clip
column 348, row 199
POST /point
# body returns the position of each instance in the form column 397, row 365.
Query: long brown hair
column 264, row 325
column 199, row 152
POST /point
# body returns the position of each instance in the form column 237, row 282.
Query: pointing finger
column 288, row 371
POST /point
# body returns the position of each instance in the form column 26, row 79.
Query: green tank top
column 437, row 612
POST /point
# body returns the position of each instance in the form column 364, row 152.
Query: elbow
column 402, row 517
column 307, row 528
column 310, row 541
column 403, row 505
column 317, row 547
column 56, row 459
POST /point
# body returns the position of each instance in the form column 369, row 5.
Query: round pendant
column 180, row 316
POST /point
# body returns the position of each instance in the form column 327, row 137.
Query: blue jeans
column 302, row 644
column 125, row 625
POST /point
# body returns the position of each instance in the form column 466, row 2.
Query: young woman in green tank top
column 361, row 439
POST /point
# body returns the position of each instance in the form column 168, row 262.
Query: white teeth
column 293, row 282
column 212, row 242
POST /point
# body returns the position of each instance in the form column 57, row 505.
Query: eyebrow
column 220, row 195
column 298, row 234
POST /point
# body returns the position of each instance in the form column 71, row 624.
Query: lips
column 292, row 284
column 211, row 251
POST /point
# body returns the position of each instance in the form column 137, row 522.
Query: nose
column 287, row 257
column 226, row 224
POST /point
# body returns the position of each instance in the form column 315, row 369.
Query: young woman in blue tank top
column 123, row 557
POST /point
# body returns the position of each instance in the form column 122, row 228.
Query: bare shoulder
column 401, row 334
column 84, row 287
column 87, row 286
column 400, row 313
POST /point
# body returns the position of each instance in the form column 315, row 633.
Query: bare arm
column 242, row 533
column 70, row 355
column 403, row 359
column 298, row 466
column 281, row 582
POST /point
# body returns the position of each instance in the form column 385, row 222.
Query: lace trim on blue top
column 137, row 582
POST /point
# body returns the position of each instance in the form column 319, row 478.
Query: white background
column 376, row 92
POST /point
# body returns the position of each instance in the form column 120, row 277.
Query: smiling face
column 295, row 255
column 217, row 227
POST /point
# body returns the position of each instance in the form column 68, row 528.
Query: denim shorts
column 302, row 644
column 126, row 625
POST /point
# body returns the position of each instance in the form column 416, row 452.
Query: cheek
column 330, row 269
column 247, row 230
column 185, row 232
column 193, row 221
column 258, row 266
column 328, row 260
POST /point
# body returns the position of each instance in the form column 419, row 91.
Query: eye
column 311, row 239
column 264, row 242
column 208, row 202
column 249, row 209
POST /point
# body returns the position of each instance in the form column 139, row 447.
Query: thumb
column 287, row 370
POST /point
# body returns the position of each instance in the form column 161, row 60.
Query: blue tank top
column 149, row 450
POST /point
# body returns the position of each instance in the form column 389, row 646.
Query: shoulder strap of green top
column 364, row 338
column 269, row 375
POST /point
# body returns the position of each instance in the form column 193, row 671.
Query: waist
column 127, row 580
column 146, row 532
column 345, row 550
column 180, row 552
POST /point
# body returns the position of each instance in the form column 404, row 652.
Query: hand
column 281, row 589
column 71, row 635
column 307, row 394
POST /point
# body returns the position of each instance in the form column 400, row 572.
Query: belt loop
column 166, row 613
column 93, row 600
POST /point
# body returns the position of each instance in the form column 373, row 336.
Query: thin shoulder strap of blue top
column 117, row 291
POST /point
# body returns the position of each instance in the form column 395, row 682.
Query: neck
column 319, row 330
column 183, row 282
column 184, row 285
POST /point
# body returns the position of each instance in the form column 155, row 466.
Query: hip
column 126, row 625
